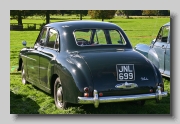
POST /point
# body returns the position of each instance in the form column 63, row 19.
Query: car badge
column 144, row 78
column 126, row 85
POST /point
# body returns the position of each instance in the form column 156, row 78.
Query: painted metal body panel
column 111, row 69
column 158, row 52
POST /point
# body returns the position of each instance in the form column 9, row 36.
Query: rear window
column 85, row 37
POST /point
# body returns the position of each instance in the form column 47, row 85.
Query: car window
column 116, row 38
column 53, row 39
column 83, row 36
column 98, row 37
column 163, row 34
column 42, row 37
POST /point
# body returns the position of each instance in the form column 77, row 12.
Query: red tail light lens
column 151, row 90
column 86, row 89
column 100, row 94
column 86, row 94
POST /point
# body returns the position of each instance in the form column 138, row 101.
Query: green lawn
column 27, row 99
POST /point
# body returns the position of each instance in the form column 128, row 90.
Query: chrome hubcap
column 59, row 96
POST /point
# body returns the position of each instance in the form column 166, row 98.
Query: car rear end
column 119, row 76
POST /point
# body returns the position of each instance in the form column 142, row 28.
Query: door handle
column 163, row 46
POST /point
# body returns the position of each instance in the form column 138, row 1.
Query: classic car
column 89, row 62
column 158, row 52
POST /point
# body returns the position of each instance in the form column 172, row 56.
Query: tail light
column 151, row 90
column 86, row 90
column 100, row 94
column 86, row 94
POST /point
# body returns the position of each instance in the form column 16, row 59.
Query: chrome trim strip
column 28, row 57
column 165, row 75
column 96, row 100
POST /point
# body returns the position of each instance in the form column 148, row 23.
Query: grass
column 27, row 99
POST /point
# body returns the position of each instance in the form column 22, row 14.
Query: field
column 27, row 99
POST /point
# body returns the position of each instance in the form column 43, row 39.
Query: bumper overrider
column 97, row 100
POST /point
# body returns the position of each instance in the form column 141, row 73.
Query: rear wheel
column 23, row 75
column 58, row 95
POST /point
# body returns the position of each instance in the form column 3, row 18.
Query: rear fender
column 74, row 77
column 152, row 56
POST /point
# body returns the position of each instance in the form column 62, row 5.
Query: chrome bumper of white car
column 97, row 100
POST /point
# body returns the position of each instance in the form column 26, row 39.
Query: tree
column 46, row 13
column 80, row 13
column 164, row 12
column 63, row 12
column 150, row 12
column 20, row 14
column 102, row 14
column 127, row 13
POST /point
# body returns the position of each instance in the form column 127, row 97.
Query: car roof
column 167, row 24
column 83, row 24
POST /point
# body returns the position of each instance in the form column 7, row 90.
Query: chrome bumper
column 97, row 100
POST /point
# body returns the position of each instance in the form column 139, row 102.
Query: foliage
column 128, row 13
column 46, row 13
column 80, row 13
column 20, row 14
column 150, row 12
column 102, row 14
column 164, row 13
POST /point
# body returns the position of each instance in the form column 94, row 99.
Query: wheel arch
column 53, row 79
column 19, row 64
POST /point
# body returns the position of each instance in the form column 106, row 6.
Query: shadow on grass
column 22, row 105
column 150, row 108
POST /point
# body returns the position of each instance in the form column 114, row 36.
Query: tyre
column 58, row 95
column 23, row 75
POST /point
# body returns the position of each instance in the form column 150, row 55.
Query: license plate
column 125, row 72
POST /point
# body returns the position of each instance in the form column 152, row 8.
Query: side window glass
column 42, row 40
column 42, row 37
column 116, row 38
column 163, row 34
column 83, row 36
column 53, row 39
column 100, row 37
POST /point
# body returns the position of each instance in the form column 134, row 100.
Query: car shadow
column 150, row 107
column 20, row 104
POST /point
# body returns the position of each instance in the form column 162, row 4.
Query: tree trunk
column 47, row 17
column 19, row 18
column 102, row 15
column 80, row 15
